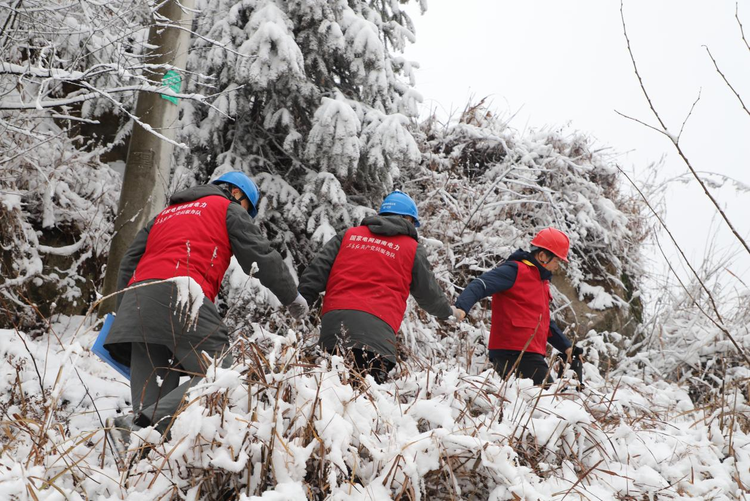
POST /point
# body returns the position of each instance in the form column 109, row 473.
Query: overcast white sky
column 566, row 62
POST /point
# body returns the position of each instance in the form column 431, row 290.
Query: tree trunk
column 149, row 158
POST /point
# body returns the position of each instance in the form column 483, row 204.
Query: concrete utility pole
column 149, row 158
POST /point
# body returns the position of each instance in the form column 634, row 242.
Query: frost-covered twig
column 35, row 136
column 481, row 202
column 720, row 323
column 94, row 94
column 202, row 37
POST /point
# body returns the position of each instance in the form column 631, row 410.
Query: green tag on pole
column 173, row 81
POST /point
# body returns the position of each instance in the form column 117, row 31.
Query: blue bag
column 102, row 352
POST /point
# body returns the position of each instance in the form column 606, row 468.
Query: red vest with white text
column 521, row 313
column 372, row 273
column 189, row 239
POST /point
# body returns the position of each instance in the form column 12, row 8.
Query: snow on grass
column 304, row 427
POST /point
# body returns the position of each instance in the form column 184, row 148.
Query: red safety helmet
column 553, row 240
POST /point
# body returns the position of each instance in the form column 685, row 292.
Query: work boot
column 120, row 429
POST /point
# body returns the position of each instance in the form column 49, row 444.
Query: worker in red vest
column 195, row 236
column 521, row 323
column 367, row 273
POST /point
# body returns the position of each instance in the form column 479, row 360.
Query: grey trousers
column 155, row 372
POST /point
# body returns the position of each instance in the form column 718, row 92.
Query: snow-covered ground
column 284, row 424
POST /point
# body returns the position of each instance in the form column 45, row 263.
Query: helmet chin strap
column 244, row 197
column 231, row 188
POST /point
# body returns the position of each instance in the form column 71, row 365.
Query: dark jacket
column 503, row 278
column 147, row 314
column 361, row 329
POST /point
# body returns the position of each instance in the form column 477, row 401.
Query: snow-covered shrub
column 699, row 337
column 286, row 423
column 484, row 190
column 56, row 212
column 69, row 72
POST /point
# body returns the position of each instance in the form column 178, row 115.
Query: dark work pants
column 367, row 362
column 155, row 373
column 371, row 363
column 531, row 365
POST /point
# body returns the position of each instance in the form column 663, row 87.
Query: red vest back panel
column 521, row 312
column 189, row 239
column 372, row 273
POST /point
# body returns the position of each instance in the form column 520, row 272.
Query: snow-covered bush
column 484, row 190
column 699, row 337
column 69, row 72
column 286, row 423
column 56, row 210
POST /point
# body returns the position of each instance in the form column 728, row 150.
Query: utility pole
column 149, row 159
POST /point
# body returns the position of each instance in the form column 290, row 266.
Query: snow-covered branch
column 98, row 93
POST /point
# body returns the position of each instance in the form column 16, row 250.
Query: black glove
column 576, row 363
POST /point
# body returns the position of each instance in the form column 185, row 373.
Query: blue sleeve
column 557, row 339
column 491, row 282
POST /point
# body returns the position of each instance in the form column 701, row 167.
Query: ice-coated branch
column 137, row 120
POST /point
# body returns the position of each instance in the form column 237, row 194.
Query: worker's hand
column 458, row 314
column 298, row 308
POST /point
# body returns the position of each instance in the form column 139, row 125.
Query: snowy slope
column 289, row 425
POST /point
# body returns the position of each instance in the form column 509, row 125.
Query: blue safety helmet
column 398, row 202
column 245, row 184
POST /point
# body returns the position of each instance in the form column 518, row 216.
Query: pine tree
column 311, row 95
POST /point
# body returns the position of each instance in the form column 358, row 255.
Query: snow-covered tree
column 486, row 190
column 303, row 88
column 68, row 74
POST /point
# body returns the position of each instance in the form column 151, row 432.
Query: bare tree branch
column 725, row 80
column 720, row 323
column 660, row 131
column 638, row 74
column 688, row 115
column 742, row 31
column 675, row 140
